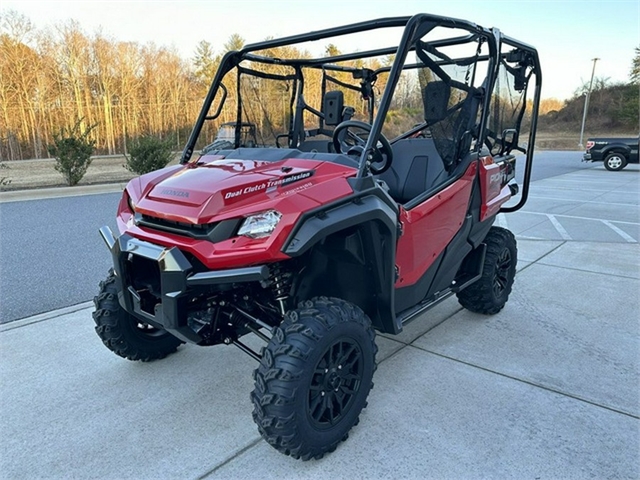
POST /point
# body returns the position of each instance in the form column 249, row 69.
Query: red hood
column 217, row 188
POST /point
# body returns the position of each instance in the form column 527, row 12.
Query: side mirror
column 509, row 141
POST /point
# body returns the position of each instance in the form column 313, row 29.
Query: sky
column 567, row 33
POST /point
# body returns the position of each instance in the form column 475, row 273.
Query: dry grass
column 27, row 174
column 558, row 140
column 547, row 139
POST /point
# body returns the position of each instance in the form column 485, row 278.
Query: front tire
column 490, row 293
column 124, row 334
column 615, row 162
column 314, row 378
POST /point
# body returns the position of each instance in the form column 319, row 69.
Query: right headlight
column 132, row 205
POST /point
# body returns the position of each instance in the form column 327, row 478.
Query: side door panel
column 430, row 226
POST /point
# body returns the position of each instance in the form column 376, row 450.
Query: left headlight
column 260, row 225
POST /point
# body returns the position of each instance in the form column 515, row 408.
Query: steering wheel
column 382, row 155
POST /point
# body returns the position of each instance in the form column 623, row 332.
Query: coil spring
column 281, row 286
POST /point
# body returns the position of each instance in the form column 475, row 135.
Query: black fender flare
column 377, row 215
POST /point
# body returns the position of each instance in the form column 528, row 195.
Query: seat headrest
column 332, row 105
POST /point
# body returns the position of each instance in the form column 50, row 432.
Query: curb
column 57, row 192
column 43, row 317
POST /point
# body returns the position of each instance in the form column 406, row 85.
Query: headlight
column 132, row 205
column 260, row 225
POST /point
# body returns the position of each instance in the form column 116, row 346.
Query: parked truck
column 616, row 153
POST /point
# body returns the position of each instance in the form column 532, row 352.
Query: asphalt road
column 553, row 163
column 51, row 255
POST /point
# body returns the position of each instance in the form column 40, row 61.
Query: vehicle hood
column 216, row 188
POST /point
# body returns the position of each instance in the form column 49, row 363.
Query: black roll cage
column 415, row 27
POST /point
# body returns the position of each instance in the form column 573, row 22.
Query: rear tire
column 615, row 162
column 489, row 294
column 124, row 334
column 314, row 378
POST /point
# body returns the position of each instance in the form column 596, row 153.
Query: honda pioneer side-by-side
column 354, row 185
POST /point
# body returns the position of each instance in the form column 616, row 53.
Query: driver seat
column 416, row 168
column 334, row 112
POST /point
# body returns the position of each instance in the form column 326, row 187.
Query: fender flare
column 318, row 224
column 377, row 215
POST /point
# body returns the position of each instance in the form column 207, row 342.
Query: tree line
column 51, row 79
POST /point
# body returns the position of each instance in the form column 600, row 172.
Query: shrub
column 4, row 181
column 72, row 150
column 147, row 154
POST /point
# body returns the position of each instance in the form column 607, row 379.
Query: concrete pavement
column 547, row 388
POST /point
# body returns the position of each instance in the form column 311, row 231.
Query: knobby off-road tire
column 314, row 377
column 124, row 334
column 489, row 294
column 615, row 162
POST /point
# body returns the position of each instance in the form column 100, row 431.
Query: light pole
column 586, row 101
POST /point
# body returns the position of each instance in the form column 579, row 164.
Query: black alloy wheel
column 314, row 377
column 335, row 383
column 490, row 293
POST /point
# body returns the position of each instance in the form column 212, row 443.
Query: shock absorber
column 281, row 286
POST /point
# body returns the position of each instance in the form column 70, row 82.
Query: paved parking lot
column 590, row 205
column 547, row 388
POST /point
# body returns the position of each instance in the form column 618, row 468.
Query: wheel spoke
column 315, row 403
column 322, row 409
column 322, row 365
column 336, row 352
column 351, row 377
column 341, row 398
column 329, row 401
column 501, row 275
column 344, row 358
column 348, row 390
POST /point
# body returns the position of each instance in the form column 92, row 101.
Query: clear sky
column 567, row 33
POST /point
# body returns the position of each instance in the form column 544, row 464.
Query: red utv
column 368, row 196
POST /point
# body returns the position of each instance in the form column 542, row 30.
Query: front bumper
column 176, row 282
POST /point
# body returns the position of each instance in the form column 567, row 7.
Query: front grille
column 213, row 232
column 143, row 275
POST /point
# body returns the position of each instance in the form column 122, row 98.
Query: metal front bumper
column 176, row 282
